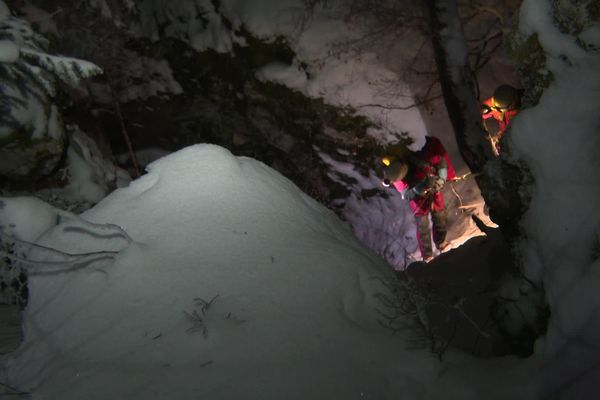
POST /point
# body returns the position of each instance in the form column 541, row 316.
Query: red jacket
column 503, row 117
column 429, row 161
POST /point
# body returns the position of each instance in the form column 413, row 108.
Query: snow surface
column 215, row 277
column 293, row 310
column 26, row 218
column 559, row 139
column 91, row 177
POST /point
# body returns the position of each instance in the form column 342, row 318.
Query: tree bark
column 458, row 86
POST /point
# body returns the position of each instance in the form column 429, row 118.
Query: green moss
column 574, row 16
column 530, row 57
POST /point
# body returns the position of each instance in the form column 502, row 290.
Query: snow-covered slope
column 215, row 277
column 559, row 139
column 234, row 284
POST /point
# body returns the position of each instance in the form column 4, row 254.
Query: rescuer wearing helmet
column 420, row 177
column 503, row 106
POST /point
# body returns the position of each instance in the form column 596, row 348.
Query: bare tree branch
column 392, row 107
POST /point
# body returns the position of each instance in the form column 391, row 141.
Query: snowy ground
column 228, row 283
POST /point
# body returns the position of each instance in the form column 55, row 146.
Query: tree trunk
column 458, row 86
column 498, row 179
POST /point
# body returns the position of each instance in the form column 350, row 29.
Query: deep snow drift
column 229, row 283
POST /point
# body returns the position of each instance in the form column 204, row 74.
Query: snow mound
column 234, row 285
column 26, row 218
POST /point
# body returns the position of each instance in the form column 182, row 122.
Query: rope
column 458, row 179
column 461, row 207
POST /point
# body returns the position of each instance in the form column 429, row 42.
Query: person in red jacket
column 503, row 106
column 420, row 177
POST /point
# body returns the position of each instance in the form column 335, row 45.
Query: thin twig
column 47, row 16
column 475, row 325
column 197, row 323
column 50, row 250
column 134, row 160
column 473, row 205
column 389, row 107
column 457, row 195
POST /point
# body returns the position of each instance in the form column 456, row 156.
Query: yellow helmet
column 394, row 160
column 395, row 170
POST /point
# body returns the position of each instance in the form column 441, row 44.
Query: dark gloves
column 422, row 188
column 409, row 194
column 435, row 183
column 432, row 184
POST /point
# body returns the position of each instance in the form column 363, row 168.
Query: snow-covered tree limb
column 31, row 71
column 67, row 69
column 31, row 128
